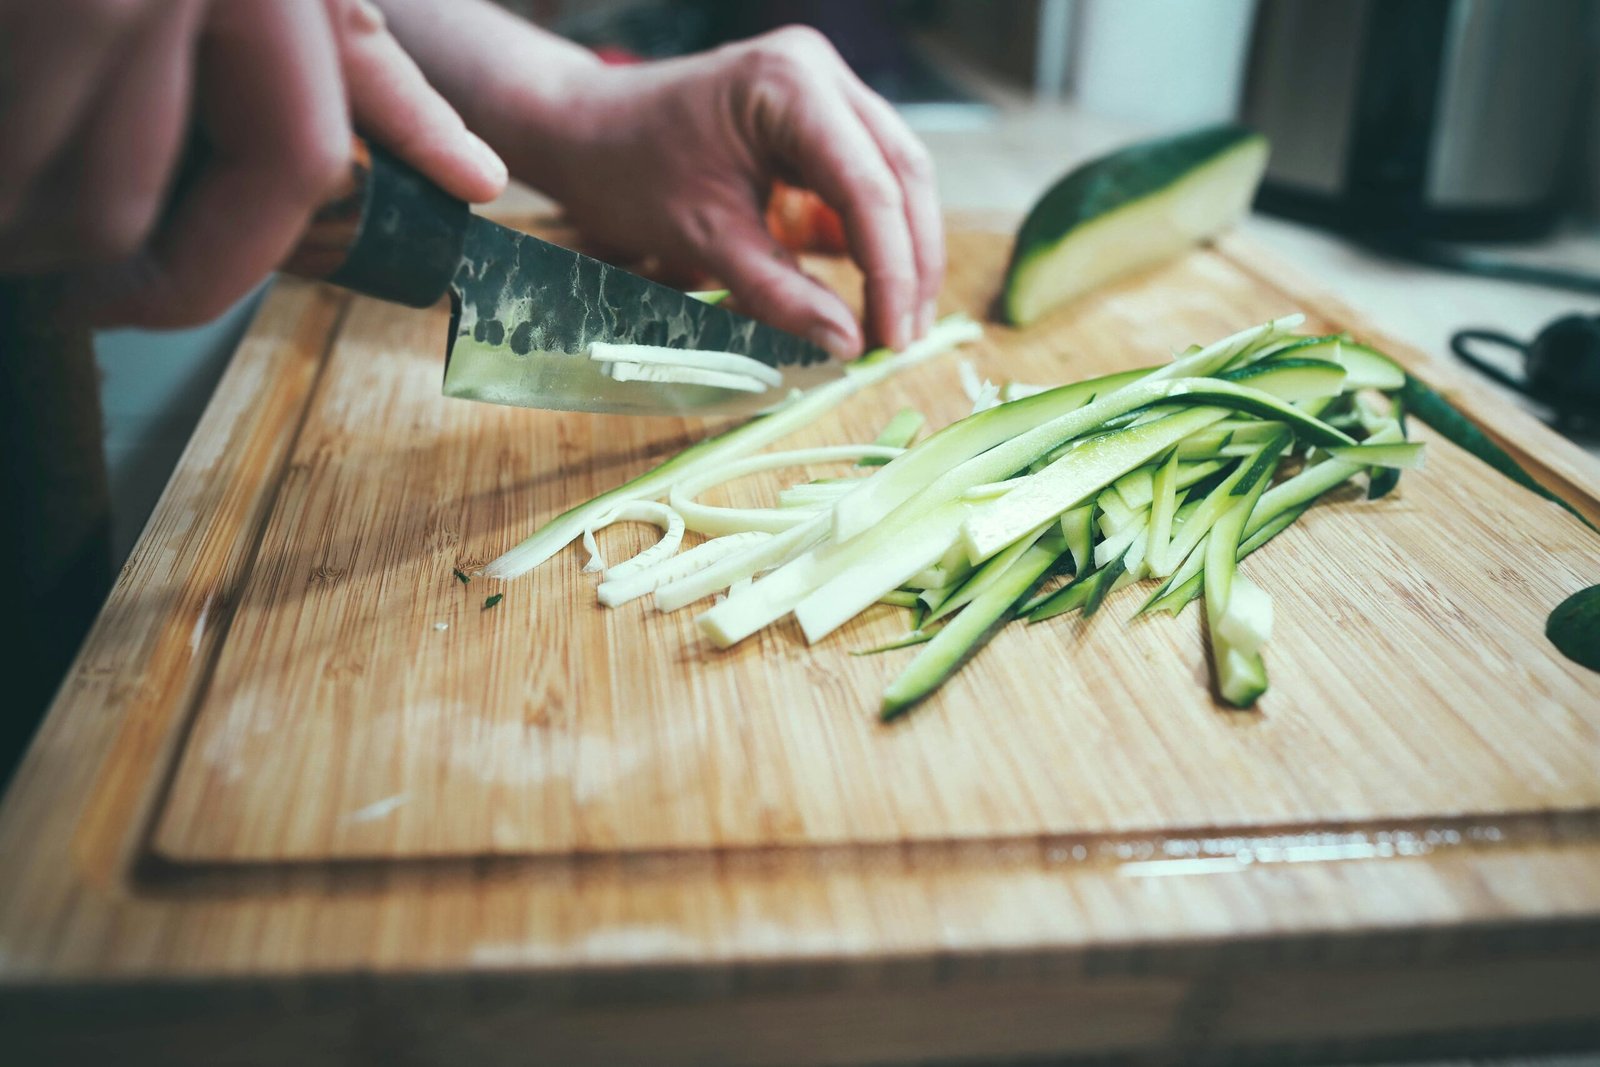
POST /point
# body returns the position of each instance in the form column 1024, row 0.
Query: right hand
column 98, row 99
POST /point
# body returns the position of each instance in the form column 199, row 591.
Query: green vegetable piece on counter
column 492, row 601
column 1130, row 210
column 462, row 578
column 1574, row 627
column 1443, row 416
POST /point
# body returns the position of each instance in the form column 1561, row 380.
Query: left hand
column 677, row 158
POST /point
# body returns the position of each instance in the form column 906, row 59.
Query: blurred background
column 1423, row 152
column 1455, row 119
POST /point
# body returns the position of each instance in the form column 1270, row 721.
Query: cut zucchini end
column 1242, row 678
column 1130, row 210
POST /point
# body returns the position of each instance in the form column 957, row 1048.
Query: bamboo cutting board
column 366, row 706
column 296, row 752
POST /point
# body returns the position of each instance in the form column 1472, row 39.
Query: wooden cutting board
column 296, row 743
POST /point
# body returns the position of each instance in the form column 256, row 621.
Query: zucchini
column 1130, row 210
column 1240, row 672
column 899, row 432
column 740, row 440
column 961, row 638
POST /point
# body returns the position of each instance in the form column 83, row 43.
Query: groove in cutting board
column 1410, row 676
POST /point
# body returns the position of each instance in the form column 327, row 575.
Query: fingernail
column 904, row 336
column 487, row 159
column 835, row 340
column 930, row 311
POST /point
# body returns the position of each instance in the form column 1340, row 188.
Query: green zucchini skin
column 1099, row 190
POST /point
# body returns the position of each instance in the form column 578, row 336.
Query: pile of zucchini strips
column 1041, row 502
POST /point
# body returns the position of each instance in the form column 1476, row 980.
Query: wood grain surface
column 558, row 831
column 365, row 706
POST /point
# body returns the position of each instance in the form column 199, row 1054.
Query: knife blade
column 524, row 310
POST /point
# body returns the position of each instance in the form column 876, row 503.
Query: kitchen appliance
column 1447, row 119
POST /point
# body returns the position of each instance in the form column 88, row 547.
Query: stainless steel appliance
column 1447, row 119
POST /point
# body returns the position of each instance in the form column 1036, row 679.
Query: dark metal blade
column 525, row 312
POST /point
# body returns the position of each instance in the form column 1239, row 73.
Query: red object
column 617, row 57
column 801, row 222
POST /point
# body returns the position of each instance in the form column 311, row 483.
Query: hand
column 96, row 102
column 676, row 158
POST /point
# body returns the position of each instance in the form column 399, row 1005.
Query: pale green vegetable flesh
column 964, row 635
column 1166, row 472
column 738, row 441
column 1128, row 211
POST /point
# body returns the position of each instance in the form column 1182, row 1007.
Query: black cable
column 1458, row 345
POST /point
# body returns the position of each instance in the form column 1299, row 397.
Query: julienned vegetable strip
column 740, row 440
column 656, row 355
column 1161, row 472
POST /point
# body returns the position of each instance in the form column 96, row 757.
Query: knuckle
column 914, row 162
column 314, row 167
column 878, row 193
column 897, row 281
column 803, row 39
column 790, row 54
column 114, row 227
column 359, row 17
column 697, row 225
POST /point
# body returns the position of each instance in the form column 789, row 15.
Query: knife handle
column 386, row 231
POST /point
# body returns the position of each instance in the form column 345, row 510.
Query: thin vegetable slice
column 739, row 440
column 689, row 358
column 969, row 631
column 717, row 520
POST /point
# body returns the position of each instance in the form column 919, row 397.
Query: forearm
column 515, row 84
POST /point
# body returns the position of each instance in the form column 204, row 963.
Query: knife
column 524, row 311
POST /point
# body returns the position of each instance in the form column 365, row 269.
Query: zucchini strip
column 1175, row 600
column 716, row 520
column 650, row 372
column 730, row 363
column 1240, row 672
column 777, row 550
column 669, row 520
column 804, row 409
column 615, row 591
column 1163, row 505
column 961, row 638
column 899, row 432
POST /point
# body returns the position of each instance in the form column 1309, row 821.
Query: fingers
column 62, row 67
column 272, row 108
column 913, row 168
column 731, row 241
column 132, row 143
column 802, row 111
column 836, row 156
column 393, row 104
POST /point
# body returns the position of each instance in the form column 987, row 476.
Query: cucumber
column 1130, row 210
